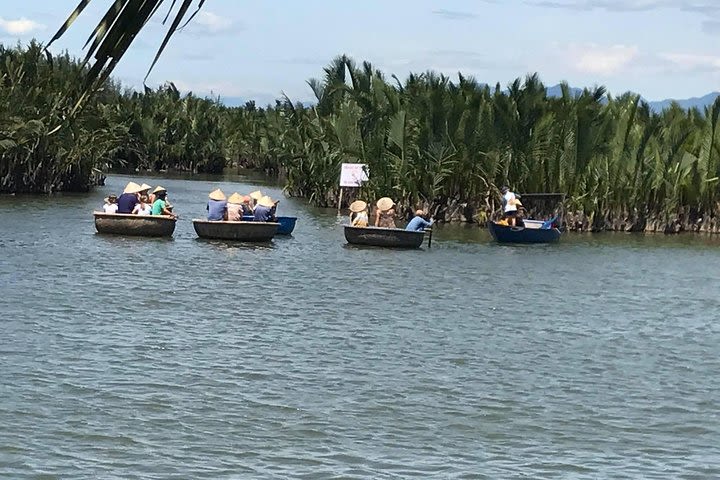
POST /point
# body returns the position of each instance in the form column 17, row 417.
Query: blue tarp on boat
column 506, row 234
column 287, row 224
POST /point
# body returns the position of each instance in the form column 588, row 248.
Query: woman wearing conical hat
column 359, row 214
column 217, row 205
column 254, row 197
column 385, row 213
column 265, row 209
column 129, row 198
column 161, row 206
column 235, row 207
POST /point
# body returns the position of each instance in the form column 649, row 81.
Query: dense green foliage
column 427, row 140
column 432, row 140
column 47, row 145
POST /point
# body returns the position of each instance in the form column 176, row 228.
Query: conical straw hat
column 132, row 187
column 385, row 203
column 217, row 194
column 144, row 187
column 235, row 198
column 358, row 206
column 159, row 189
column 266, row 201
column 256, row 195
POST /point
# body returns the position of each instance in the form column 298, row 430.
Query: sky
column 262, row 49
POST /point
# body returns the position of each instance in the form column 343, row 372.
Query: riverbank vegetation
column 427, row 140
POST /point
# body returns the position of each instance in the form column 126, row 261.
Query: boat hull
column 134, row 225
column 287, row 224
column 383, row 237
column 503, row 234
column 238, row 231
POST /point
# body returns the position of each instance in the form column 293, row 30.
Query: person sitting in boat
column 385, row 213
column 235, row 207
column 359, row 214
column 520, row 214
column 255, row 197
column 509, row 207
column 216, row 206
column 127, row 201
column 145, row 190
column 143, row 207
column 419, row 222
column 265, row 209
column 247, row 208
column 111, row 205
column 160, row 206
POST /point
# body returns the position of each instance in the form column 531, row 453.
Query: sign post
column 351, row 175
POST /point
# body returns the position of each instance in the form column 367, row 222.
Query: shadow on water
column 236, row 245
column 349, row 246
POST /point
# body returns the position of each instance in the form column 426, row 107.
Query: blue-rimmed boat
column 532, row 232
column 287, row 224
column 240, row 231
column 384, row 237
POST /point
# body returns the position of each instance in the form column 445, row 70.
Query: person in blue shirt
column 216, row 206
column 129, row 198
column 419, row 223
column 265, row 210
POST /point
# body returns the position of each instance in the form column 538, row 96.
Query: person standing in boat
column 216, row 206
column 509, row 207
column 143, row 207
column 160, row 205
column 265, row 210
column 419, row 222
column 111, row 205
column 359, row 214
column 235, row 207
column 385, row 213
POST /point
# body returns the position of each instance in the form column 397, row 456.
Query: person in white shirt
column 143, row 207
column 111, row 205
column 509, row 205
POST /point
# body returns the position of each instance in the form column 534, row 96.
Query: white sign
column 353, row 174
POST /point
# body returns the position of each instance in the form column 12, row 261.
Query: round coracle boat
column 134, row 225
column 240, row 231
column 383, row 237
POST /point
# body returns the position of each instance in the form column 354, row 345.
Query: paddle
column 429, row 236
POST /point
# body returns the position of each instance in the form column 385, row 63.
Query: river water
column 129, row 358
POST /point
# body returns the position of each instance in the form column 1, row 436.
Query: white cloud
column 692, row 61
column 21, row 26
column 602, row 60
column 212, row 22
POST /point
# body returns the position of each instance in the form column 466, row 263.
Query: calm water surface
column 305, row 358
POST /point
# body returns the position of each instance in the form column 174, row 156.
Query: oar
column 429, row 236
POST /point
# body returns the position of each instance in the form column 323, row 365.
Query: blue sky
column 259, row 49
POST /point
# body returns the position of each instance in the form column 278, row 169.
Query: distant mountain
column 657, row 105
column 554, row 91
column 261, row 101
column 699, row 102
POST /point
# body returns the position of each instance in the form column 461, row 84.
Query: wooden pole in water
column 340, row 200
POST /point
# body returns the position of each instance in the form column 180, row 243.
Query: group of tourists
column 385, row 215
column 139, row 200
column 261, row 207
